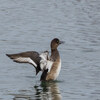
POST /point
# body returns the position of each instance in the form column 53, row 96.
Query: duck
column 50, row 65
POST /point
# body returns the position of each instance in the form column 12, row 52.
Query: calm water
column 31, row 25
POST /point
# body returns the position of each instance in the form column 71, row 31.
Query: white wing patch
column 44, row 55
column 26, row 60
column 45, row 63
column 49, row 65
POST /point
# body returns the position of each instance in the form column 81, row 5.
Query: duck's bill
column 61, row 42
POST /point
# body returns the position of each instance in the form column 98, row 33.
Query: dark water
column 31, row 25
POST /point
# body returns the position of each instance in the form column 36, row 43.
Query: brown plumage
column 50, row 66
column 29, row 54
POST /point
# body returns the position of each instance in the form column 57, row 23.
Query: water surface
column 30, row 25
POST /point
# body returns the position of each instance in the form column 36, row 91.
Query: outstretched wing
column 31, row 57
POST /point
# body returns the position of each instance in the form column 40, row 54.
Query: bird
column 50, row 65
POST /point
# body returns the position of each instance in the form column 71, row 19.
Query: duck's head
column 55, row 43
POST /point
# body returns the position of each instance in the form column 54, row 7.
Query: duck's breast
column 54, row 71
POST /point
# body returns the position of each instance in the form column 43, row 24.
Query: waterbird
column 49, row 65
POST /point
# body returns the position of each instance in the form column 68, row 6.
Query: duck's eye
column 57, row 41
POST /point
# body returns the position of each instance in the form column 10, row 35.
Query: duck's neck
column 55, row 54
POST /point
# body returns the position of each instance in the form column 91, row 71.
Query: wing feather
column 31, row 57
column 41, row 62
column 45, row 62
column 25, row 60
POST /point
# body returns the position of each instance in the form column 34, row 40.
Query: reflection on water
column 44, row 91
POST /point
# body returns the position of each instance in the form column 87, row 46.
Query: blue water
column 30, row 25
